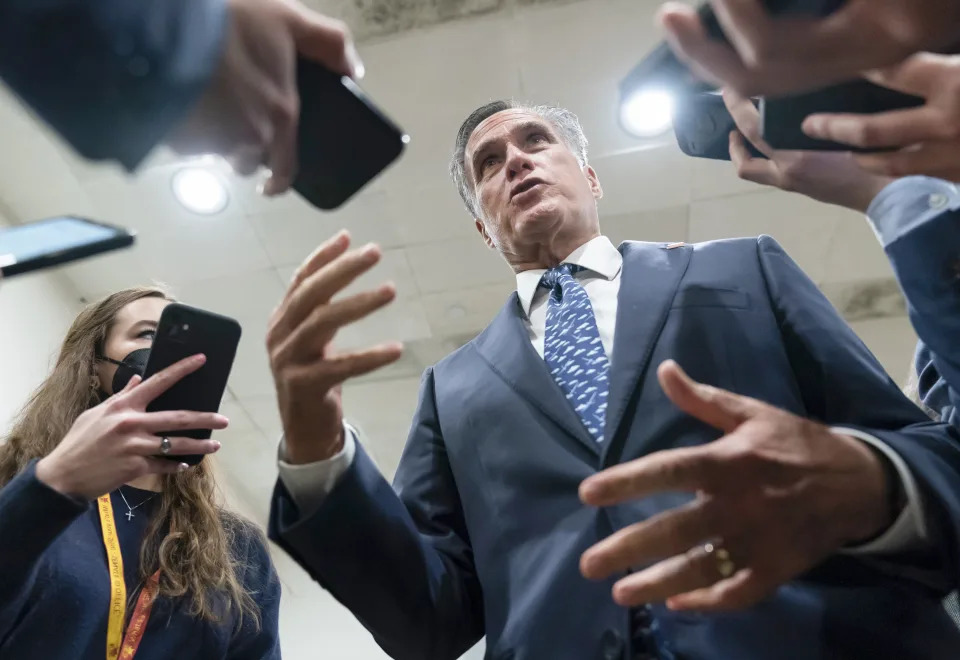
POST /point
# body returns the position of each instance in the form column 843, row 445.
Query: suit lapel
column 648, row 284
column 505, row 346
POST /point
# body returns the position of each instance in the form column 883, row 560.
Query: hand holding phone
column 252, row 88
column 771, row 54
column 828, row 177
column 183, row 332
column 107, row 444
column 344, row 140
column 701, row 122
column 782, row 117
column 923, row 140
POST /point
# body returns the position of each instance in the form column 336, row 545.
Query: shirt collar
column 597, row 255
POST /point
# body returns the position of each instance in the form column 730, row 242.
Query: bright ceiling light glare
column 647, row 113
column 200, row 190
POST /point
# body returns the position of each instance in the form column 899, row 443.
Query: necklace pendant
column 129, row 515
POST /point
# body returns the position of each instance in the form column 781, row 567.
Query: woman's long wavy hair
column 192, row 537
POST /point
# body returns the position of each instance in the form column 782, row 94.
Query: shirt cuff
column 310, row 484
column 907, row 203
column 909, row 530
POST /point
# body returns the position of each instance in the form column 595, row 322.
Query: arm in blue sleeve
column 918, row 221
column 843, row 385
column 400, row 560
column 113, row 77
column 32, row 516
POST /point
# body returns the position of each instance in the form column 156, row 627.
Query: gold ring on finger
column 721, row 556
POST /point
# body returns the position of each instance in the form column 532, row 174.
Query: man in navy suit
column 115, row 78
column 569, row 492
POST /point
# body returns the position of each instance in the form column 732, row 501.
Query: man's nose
column 517, row 162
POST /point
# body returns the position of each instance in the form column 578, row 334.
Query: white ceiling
column 450, row 285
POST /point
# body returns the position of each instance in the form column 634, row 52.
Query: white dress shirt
column 602, row 263
column 600, row 278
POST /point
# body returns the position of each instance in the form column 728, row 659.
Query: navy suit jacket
column 483, row 530
column 113, row 77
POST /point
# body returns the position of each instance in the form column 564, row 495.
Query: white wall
column 892, row 341
column 35, row 312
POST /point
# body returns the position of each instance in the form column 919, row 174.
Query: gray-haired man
column 551, row 461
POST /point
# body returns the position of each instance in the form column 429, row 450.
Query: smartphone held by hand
column 182, row 332
column 344, row 140
column 782, row 117
column 702, row 123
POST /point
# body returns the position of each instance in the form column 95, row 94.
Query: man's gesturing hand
column 779, row 493
column 307, row 370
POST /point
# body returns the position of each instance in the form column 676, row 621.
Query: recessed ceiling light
column 647, row 113
column 200, row 190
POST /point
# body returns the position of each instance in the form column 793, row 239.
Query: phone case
column 783, row 117
column 344, row 141
column 185, row 331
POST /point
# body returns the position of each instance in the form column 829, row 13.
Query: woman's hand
column 114, row 443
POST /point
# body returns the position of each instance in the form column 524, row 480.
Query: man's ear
column 594, row 181
column 483, row 232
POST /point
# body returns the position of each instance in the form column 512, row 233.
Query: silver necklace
column 129, row 513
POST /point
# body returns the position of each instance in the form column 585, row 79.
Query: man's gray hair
column 565, row 122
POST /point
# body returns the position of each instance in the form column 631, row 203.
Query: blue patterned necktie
column 572, row 348
column 574, row 354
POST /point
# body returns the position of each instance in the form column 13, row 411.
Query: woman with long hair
column 109, row 549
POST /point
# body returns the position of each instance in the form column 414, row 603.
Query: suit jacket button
column 611, row 646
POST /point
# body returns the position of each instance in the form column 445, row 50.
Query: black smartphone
column 57, row 241
column 182, row 332
column 782, row 117
column 344, row 140
column 702, row 125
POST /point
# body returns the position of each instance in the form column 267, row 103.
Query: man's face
column 530, row 187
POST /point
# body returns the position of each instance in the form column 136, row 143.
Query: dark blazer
column 112, row 77
column 483, row 530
